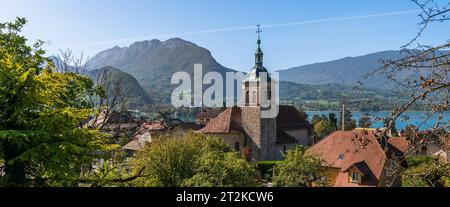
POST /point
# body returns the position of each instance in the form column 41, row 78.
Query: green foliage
column 194, row 160
column 266, row 168
column 299, row 170
column 323, row 129
column 324, row 126
column 426, row 171
column 42, row 142
column 349, row 123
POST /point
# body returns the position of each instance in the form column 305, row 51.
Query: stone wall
column 268, row 139
column 261, row 134
column 231, row 138
column 251, row 124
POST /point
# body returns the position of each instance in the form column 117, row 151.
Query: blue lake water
column 417, row 118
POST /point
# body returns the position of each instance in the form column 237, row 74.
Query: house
column 207, row 114
column 430, row 144
column 360, row 158
column 143, row 135
column 401, row 143
column 244, row 127
column 135, row 145
column 180, row 129
column 439, row 148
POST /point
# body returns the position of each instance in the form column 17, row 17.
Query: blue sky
column 334, row 29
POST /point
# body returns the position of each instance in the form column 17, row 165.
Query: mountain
column 347, row 71
column 153, row 62
column 133, row 93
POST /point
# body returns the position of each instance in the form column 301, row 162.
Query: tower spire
column 259, row 54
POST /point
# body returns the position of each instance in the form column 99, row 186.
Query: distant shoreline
column 448, row 111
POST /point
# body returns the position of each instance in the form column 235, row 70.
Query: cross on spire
column 259, row 31
column 259, row 53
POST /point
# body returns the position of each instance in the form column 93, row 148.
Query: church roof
column 255, row 74
column 289, row 117
column 230, row 120
column 284, row 138
column 225, row 122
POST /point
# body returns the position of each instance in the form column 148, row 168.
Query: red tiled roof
column 342, row 150
column 154, row 126
column 290, row 117
column 209, row 113
column 148, row 127
column 230, row 119
column 225, row 122
column 400, row 143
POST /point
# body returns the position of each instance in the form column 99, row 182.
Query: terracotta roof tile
column 225, row 122
column 344, row 149
column 400, row 143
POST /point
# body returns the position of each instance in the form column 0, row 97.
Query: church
column 246, row 130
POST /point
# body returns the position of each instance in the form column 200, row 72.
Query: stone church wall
column 251, row 124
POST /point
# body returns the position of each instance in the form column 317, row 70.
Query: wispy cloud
column 229, row 29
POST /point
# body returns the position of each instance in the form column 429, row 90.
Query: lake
column 416, row 118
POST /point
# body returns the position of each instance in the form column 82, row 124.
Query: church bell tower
column 257, row 88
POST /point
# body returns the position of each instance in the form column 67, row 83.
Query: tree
column 42, row 141
column 429, row 86
column 365, row 121
column 195, row 160
column 333, row 121
column 299, row 170
column 323, row 128
column 316, row 119
column 426, row 172
column 350, row 124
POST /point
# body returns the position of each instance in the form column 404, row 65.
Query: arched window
column 247, row 98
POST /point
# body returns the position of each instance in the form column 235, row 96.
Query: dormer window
column 355, row 177
column 357, row 172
